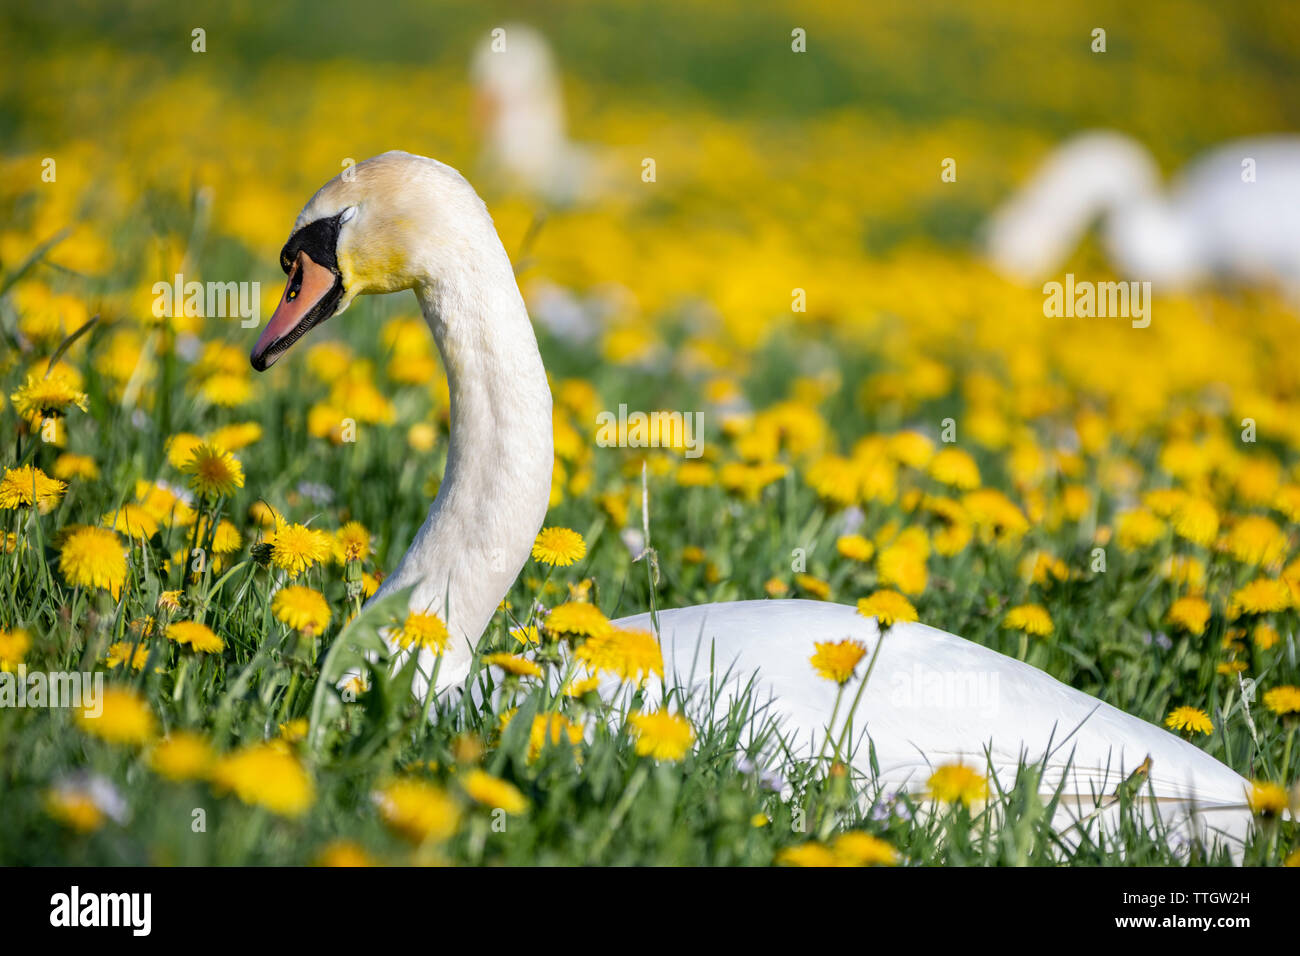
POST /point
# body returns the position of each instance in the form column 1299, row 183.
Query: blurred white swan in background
column 406, row 222
column 1209, row 223
column 520, row 106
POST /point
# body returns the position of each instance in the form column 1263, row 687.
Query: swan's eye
column 295, row 284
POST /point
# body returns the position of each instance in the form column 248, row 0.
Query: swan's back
column 933, row 698
column 1249, row 223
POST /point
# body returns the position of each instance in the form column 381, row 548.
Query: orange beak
column 310, row 296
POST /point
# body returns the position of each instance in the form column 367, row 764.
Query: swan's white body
column 1213, row 221
column 411, row 222
column 936, row 698
column 521, row 107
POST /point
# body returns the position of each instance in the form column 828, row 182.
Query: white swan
column 407, row 222
column 1229, row 214
column 521, row 108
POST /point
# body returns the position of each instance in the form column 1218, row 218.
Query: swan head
column 392, row 222
column 1087, row 178
column 513, row 69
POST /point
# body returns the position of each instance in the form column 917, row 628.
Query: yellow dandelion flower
column 1043, row 568
column 292, row 731
column 1261, row 596
column 180, row 449
column 546, row 730
column 236, row 436
column 422, row 437
column 1197, row 520
column 1190, row 719
column 1267, row 799
column 887, row 607
column 14, row 646
column 1283, row 700
column 696, row 474
column 467, row 748
column 748, row 481
column 266, row 775
column 575, row 619
column 1185, row 459
column 1139, row 529
column 1265, row 636
column 1190, row 613
column 559, row 546
column 493, row 792
column 956, row 468
column 910, row 448
column 303, row 609
column 352, row 543
column 68, row 466
column 164, row 504
column 957, row 783
column 144, row 626
column 902, row 566
column 1185, row 571
column 265, row 515
column 994, row 514
column 132, row 520
column 1287, row 501
column 417, row 810
column 295, row 548
column 227, row 390
column 1255, row 539
column 213, row 472
column 120, row 651
column 197, row 635
column 353, row 687
column 124, row 717
column 226, row 539
column 423, row 630
column 631, row 655
column 526, row 635
column 855, row 547
column 813, row 586
column 811, row 854
column 75, row 808
column 775, row 588
column 1075, row 502
column 836, row 479
column 863, row 849
column 93, row 558
column 27, row 486
column 662, row 735
column 1029, row 619
column 42, row 397
column 581, row 688
column 836, row 660
column 514, row 664
column 344, row 854
column 693, row 554
column 1258, row 480
column 169, row 601
column 182, row 755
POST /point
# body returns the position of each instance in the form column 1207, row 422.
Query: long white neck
column 496, row 487
column 1089, row 177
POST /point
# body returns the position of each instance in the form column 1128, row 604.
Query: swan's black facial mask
column 312, row 293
